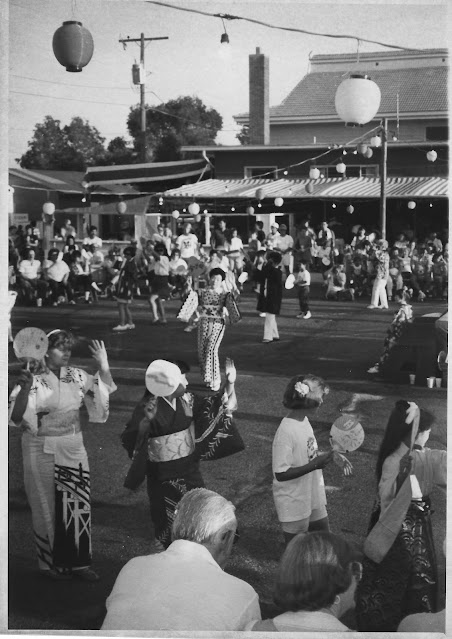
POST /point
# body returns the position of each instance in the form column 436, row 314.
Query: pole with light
column 357, row 102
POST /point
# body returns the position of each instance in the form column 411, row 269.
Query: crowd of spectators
column 409, row 267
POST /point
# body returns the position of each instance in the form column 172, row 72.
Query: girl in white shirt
column 160, row 288
column 298, row 487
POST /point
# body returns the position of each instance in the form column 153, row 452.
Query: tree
column 118, row 152
column 170, row 125
column 69, row 148
column 243, row 136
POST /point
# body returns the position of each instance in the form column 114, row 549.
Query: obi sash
column 57, row 423
column 173, row 446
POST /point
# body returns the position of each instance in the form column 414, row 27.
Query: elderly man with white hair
column 185, row 588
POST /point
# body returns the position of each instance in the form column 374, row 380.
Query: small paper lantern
column 259, row 194
column 357, row 100
column 314, row 173
column 279, row 201
column 73, row 46
column 369, row 153
column 350, row 209
column 48, row 208
column 341, row 168
column 362, row 148
column 411, row 205
column 375, row 141
column 432, row 155
column 198, row 218
column 175, row 214
column 250, row 210
column 121, row 207
column 309, row 187
column 193, row 208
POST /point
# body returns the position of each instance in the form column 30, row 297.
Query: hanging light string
column 274, row 26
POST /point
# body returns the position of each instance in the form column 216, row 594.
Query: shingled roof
column 420, row 90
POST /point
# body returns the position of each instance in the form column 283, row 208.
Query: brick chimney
column 259, row 117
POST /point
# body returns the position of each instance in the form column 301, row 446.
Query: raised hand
column 99, row 354
column 343, row 463
column 230, row 371
column 25, row 380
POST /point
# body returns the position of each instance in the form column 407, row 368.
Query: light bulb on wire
column 224, row 52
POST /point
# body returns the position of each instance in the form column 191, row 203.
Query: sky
column 189, row 62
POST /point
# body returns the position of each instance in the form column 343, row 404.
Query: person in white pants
column 270, row 296
column 379, row 298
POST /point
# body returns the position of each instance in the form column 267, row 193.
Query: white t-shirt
column 178, row 267
column 56, row 270
column 181, row 589
column 187, row 244
column 295, row 445
column 235, row 244
column 303, row 278
column 95, row 241
column 282, row 243
column 30, row 270
column 162, row 266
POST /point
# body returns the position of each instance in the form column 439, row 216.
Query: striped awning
column 327, row 188
column 148, row 172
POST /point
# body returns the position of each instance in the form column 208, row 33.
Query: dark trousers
column 60, row 288
column 303, row 298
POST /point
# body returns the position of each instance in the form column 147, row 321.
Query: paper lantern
column 175, row 214
column 259, row 194
column 431, row 156
column 350, row 209
column 250, row 210
column 357, row 100
column 411, row 205
column 193, row 208
column 309, row 187
column 48, row 208
column 341, row 168
column 362, row 148
column 314, row 173
column 198, row 218
column 375, row 141
column 73, row 46
column 369, row 153
column 121, row 207
column 279, row 201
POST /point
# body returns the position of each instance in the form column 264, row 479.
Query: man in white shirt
column 272, row 236
column 187, row 243
column 56, row 273
column 284, row 245
column 93, row 239
column 185, row 587
column 29, row 278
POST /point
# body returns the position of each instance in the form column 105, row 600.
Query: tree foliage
column 243, row 136
column 70, row 148
column 184, row 121
column 119, row 151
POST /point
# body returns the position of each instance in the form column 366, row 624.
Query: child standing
column 303, row 283
column 124, row 291
column 298, row 487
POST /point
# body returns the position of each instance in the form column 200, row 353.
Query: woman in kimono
column 171, row 431
column 405, row 581
column 46, row 405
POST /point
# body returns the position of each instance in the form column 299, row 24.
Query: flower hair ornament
column 302, row 389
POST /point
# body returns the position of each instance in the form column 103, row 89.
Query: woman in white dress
column 46, row 406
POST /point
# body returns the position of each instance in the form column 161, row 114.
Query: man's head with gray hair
column 205, row 517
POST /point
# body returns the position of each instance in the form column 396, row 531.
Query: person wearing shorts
column 298, row 486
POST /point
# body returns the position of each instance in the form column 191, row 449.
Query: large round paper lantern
column 175, row 214
column 48, row 208
column 350, row 209
column 250, row 210
column 309, row 187
column 411, row 205
column 341, row 168
column 259, row 194
column 375, row 141
column 121, row 207
column 73, row 46
column 369, row 153
column 193, row 208
column 279, row 201
column 431, row 156
column 314, row 173
column 357, row 100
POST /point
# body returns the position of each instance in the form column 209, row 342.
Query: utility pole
column 142, row 40
column 383, row 175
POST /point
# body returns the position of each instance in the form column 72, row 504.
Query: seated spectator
column 80, row 278
column 68, row 230
column 33, row 288
column 184, row 588
column 336, row 284
column 69, row 248
column 434, row 241
column 359, row 280
column 93, row 238
column 56, row 273
column 315, row 585
column 360, row 243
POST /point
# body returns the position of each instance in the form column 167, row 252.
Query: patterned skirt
column 405, row 582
